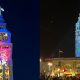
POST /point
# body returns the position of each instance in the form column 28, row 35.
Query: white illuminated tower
column 77, row 38
column 5, row 51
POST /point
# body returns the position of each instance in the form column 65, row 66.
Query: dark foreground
column 45, row 77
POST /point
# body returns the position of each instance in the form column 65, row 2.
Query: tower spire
column 1, row 9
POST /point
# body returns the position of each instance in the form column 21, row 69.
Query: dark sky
column 57, row 27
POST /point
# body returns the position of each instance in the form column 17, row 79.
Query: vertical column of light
column 77, row 38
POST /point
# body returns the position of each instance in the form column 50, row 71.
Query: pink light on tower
column 6, row 72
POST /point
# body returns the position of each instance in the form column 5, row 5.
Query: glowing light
column 49, row 64
column 2, row 9
column 73, row 74
column 63, row 70
column 52, row 74
column 58, row 69
column 5, row 55
column 40, row 59
column 44, row 71
column 70, row 69
column 0, row 67
column 5, row 34
column 3, row 62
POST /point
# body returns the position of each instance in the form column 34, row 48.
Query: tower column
column 77, row 38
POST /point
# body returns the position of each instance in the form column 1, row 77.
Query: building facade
column 5, row 51
column 61, row 66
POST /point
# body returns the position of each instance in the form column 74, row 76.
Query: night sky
column 57, row 27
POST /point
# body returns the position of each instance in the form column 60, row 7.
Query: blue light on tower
column 77, row 38
column 5, row 51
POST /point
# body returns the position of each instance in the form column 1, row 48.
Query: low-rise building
column 61, row 66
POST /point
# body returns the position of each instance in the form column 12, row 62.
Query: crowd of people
column 48, row 77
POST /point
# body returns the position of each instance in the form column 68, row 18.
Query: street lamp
column 49, row 64
column 58, row 72
column 40, row 59
column 41, row 65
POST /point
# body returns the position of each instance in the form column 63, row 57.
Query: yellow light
column 63, row 70
column 70, row 69
column 52, row 74
column 1, row 67
column 58, row 69
column 44, row 71
column 40, row 59
column 73, row 74
column 49, row 64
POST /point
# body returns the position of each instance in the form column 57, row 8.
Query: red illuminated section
column 5, row 53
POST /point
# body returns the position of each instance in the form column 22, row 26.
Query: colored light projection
column 77, row 38
column 5, row 58
column 5, row 51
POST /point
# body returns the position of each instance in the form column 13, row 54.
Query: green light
column 78, row 49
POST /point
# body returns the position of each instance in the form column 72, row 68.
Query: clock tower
column 5, row 51
column 77, row 38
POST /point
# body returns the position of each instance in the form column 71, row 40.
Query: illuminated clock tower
column 5, row 51
column 77, row 38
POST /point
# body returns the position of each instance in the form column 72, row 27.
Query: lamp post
column 58, row 72
column 40, row 60
column 49, row 65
